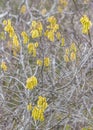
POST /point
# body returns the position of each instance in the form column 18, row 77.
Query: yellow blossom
column 29, row 107
column 46, row 61
column 36, row 29
column 23, row 9
column 4, row 22
column 56, row 27
column 39, row 27
column 58, row 35
column 37, row 114
column 66, row 58
column 25, row 37
column 86, row 24
column 73, row 47
column 62, row 42
column 34, row 24
column 42, row 103
column 52, row 20
column 30, row 47
column 36, row 44
column 9, row 28
column 35, row 33
column 39, row 62
column 15, row 41
column 67, row 51
column 51, row 36
column 73, row 56
column 31, row 82
column 3, row 66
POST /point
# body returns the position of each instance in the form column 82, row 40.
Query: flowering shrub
column 46, row 65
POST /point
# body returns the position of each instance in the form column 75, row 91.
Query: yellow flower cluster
column 3, row 66
column 62, row 41
column 52, row 29
column 37, row 114
column 38, row 111
column 70, row 53
column 36, row 29
column 23, row 9
column 31, row 82
column 58, row 35
column 8, row 27
column 10, row 30
column 32, row 48
column 39, row 62
column 25, row 37
column 46, row 62
column 86, row 23
column 42, row 103
column 15, row 41
column 29, row 107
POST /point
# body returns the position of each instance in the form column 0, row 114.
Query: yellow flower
column 9, row 21
column 30, row 47
column 36, row 44
column 3, row 66
column 9, row 28
column 36, row 29
column 52, row 20
column 15, row 41
column 35, row 33
column 5, row 22
column 67, row 51
column 37, row 114
column 86, row 23
column 73, row 47
column 34, row 24
column 29, row 107
column 23, row 9
column 39, row 27
column 42, row 103
column 73, row 56
column 62, row 42
column 39, row 62
column 66, row 58
column 25, row 37
column 58, row 35
column 51, row 36
column 55, row 27
column 31, row 82
column 46, row 61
